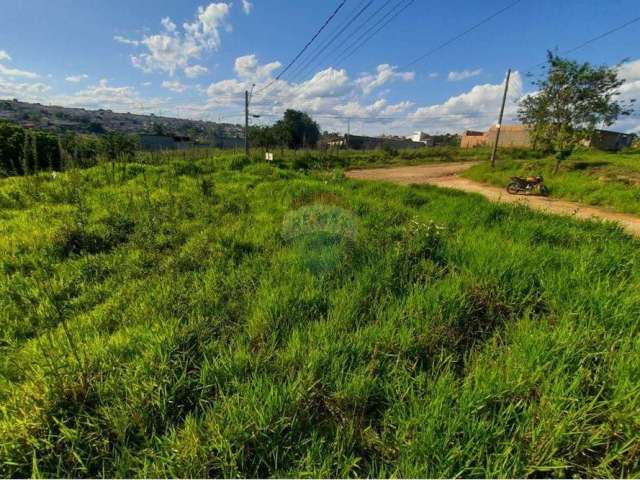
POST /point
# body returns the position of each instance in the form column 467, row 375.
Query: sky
column 195, row 58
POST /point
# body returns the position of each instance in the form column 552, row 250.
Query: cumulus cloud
column 4, row 55
column 175, row 86
column 23, row 91
column 385, row 74
column 247, row 6
column 247, row 68
column 14, row 72
column 172, row 49
column 477, row 108
column 76, row 78
column 126, row 41
column 107, row 96
column 195, row 71
column 463, row 75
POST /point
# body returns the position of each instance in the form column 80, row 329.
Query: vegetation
column 295, row 130
column 25, row 151
column 594, row 178
column 569, row 104
column 221, row 317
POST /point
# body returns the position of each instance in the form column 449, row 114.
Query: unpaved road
column 446, row 175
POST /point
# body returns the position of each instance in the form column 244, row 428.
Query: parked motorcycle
column 521, row 185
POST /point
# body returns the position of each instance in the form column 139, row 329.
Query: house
column 611, row 141
column 422, row 137
column 472, row 138
column 518, row 136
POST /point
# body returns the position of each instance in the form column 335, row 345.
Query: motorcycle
column 520, row 185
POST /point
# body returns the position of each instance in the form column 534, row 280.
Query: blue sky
column 194, row 58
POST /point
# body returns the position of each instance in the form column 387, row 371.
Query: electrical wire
column 460, row 35
column 302, row 68
column 331, row 17
column 373, row 30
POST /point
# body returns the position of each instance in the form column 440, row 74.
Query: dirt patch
column 445, row 175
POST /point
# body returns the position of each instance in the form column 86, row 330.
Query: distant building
column 359, row 142
column 164, row 142
column 518, row 136
column 472, row 138
column 510, row 136
column 611, row 141
column 422, row 137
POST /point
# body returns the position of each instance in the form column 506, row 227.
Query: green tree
column 30, row 153
column 570, row 103
column 297, row 130
column 11, row 145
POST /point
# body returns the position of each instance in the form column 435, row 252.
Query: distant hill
column 62, row 119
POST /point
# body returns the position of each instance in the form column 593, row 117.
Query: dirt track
column 446, row 175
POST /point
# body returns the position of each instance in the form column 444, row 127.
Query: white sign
column 268, row 156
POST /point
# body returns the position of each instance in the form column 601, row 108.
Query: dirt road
column 446, row 175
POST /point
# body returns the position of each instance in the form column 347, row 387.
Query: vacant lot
column 222, row 318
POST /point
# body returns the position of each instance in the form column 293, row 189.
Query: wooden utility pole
column 504, row 100
column 246, row 123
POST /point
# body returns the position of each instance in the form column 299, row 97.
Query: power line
column 591, row 40
column 335, row 12
column 603, row 35
column 460, row 35
column 311, row 60
column 368, row 34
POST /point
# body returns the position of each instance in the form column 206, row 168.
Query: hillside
column 62, row 119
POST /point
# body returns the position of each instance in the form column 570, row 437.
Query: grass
column 595, row 178
column 218, row 317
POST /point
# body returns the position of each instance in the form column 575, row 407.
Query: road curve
column 446, row 175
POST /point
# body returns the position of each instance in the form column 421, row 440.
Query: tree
column 262, row 137
column 569, row 104
column 297, row 129
column 30, row 153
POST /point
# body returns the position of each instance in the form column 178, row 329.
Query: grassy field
column 218, row 317
column 595, row 178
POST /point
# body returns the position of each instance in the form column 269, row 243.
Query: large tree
column 297, row 130
column 571, row 101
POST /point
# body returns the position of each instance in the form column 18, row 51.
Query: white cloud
column 195, row 71
column 23, row 91
column 106, row 96
column 4, row 55
column 434, row 75
column 247, row 68
column 463, row 75
column 385, row 74
column 175, row 86
column 205, row 30
column 146, row 84
column 168, row 25
column 477, row 108
column 14, row 72
column 126, row 41
column 247, row 6
column 172, row 50
column 76, row 78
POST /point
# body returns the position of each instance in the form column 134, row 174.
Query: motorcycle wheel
column 513, row 188
column 544, row 190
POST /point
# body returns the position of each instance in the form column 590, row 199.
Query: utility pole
column 246, row 123
column 504, row 100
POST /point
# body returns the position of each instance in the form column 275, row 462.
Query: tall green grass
column 595, row 178
column 219, row 317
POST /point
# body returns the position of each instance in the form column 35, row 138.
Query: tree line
column 25, row 151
